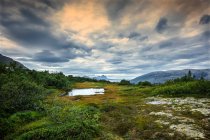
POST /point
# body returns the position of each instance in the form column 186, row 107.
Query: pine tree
column 189, row 74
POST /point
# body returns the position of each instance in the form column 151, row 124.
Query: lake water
column 86, row 91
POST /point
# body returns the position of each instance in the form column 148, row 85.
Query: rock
column 190, row 117
column 161, row 114
column 162, row 122
column 179, row 101
column 188, row 130
column 203, row 111
column 183, row 119
column 158, row 102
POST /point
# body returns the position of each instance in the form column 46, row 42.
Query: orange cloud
column 7, row 44
column 82, row 17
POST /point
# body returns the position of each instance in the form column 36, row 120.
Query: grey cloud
column 27, row 36
column 161, row 25
column 191, row 6
column 72, row 53
column 80, row 70
column 200, row 59
column 134, row 35
column 45, row 56
column 30, row 28
column 102, row 45
column 165, row 44
column 177, row 48
column 115, row 61
column 97, row 36
column 48, row 56
column 206, row 35
column 121, row 35
column 38, row 4
column 32, row 18
column 115, row 8
column 194, row 53
column 146, row 48
column 137, row 36
column 55, row 4
column 140, row 66
column 144, row 38
column 205, row 19
column 31, row 37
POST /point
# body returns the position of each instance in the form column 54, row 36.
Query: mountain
column 7, row 60
column 163, row 76
column 102, row 77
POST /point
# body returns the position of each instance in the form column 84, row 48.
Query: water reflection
column 86, row 91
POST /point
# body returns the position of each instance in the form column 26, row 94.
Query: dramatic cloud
column 205, row 19
column 115, row 8
column 30, row 28
column 30, row 17
column 134, row 35
column 84, row 18
column 47, row 56
column 118, row 38
column 161, row 25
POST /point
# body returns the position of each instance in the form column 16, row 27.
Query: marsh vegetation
column 32, row 108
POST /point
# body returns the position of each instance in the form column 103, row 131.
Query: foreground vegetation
column 32, row 107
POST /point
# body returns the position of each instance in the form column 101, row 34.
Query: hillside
column 163, row 76
column 7, row 60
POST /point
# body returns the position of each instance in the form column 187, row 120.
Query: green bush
column 76, row 123
column 180, row 88
column 80, row 122
column 65, row 131
column 20, row 118
column 124, row 82
column 21, row 95
column 5, row 127
column 144, row 83
column 16, row 121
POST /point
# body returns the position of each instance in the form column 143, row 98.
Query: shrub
column 20, row 118
column 79, row 122
column 124, row 82
column 5, row 127
column 16, row 121
column 193, row 87
column 21, row 95
column 145, row 83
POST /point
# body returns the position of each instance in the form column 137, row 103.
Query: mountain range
column 6, row 60
column 102, row 77
column 153, row 77
column 163, row 76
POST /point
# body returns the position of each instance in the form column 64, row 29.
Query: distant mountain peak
column 163, row 76
column 102, row 77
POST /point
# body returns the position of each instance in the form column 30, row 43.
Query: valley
column 104, row 69
column 123, row 112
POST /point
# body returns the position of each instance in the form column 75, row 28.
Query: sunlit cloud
column 84, row 18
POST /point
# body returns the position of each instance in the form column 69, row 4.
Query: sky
column 121, row 39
